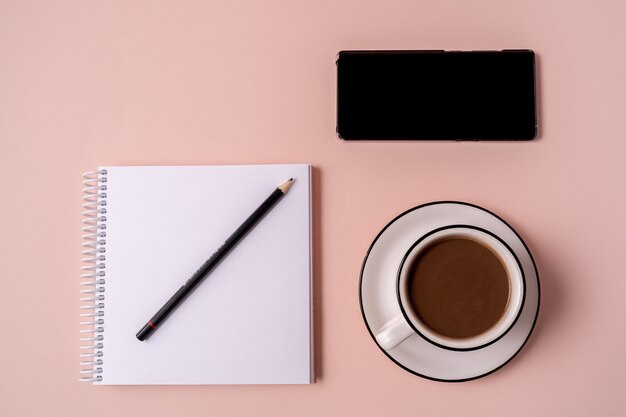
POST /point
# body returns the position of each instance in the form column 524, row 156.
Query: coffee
column 458, row 287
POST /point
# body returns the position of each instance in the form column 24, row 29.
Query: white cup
column 407, row 323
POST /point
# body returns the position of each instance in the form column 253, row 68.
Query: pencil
column 195, row 280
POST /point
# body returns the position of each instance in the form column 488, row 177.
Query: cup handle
column 394, row 332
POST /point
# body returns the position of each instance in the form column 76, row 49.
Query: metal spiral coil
column 93, row 274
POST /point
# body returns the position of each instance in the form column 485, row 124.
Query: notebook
column 146, row 231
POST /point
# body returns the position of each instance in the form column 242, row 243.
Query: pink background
column 84, row 83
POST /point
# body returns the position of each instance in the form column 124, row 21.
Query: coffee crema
column 458, row 287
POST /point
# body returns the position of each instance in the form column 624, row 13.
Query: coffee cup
column 459, row 287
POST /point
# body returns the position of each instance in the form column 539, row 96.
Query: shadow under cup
column 459, row 287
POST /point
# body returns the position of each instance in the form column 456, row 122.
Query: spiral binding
column 93, row 276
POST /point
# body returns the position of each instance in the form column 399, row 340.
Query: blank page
column 249, row 321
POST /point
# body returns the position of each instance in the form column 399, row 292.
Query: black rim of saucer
column 361, row 288
column 460, row 226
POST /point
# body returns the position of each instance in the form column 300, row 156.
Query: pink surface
column 84, row 83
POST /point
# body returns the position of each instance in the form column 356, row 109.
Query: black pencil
column 210, row 263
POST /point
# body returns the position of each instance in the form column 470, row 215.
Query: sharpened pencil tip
column 284, row 187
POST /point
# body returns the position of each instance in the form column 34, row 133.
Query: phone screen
column 403, row 95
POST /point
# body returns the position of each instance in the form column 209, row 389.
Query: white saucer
column 377, row 293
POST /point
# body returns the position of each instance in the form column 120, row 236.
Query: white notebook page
column 249, row 321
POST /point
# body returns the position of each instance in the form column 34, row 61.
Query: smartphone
column 436, row 95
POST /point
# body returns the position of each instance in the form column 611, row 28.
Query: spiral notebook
column 147, row 229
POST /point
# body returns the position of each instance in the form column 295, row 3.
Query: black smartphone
column 436, row 95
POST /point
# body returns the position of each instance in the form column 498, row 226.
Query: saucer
column 377, row 294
